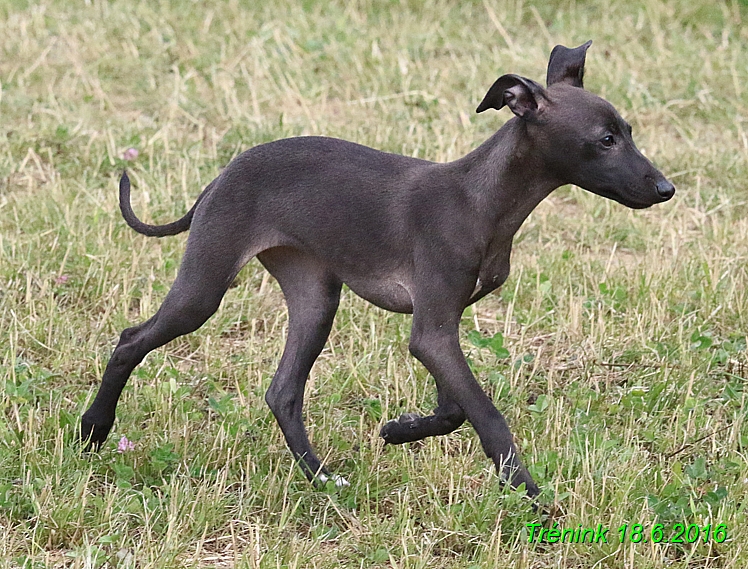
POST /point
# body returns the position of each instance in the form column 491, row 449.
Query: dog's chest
column 492, row 274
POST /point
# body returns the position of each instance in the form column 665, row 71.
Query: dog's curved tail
column 173, row 228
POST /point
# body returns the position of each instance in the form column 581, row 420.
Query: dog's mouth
column 624, row 200
column 630, row 200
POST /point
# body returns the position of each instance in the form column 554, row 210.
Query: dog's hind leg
column 207, row 270
column 312, row 294
column 410, row 427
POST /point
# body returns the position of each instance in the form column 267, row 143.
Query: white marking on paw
column 339, row 481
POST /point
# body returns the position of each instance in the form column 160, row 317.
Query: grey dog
column 407, row 235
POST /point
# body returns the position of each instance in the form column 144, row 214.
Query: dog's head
column 579, row 136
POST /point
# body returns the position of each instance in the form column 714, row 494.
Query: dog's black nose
column 665, row 189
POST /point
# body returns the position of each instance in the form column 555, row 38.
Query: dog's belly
column 385, row 293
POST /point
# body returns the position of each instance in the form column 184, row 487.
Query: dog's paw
column 396, row 431
column 516, row 475
column 338, row 480
column 92, row 435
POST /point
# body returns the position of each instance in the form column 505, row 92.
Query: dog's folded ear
column 523, row 96
column 567, row 65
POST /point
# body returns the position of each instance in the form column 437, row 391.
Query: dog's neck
column 506, row 177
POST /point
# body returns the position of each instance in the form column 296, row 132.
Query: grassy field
column 623, row 367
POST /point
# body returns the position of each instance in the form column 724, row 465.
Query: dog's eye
column 608, row 141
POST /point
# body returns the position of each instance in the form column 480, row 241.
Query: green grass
column 623, row 365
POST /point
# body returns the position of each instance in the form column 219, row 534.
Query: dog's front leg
column 435, row 343
column 410, row 427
